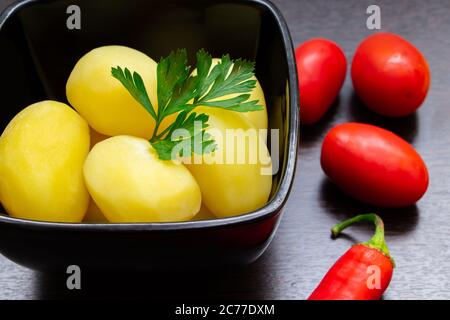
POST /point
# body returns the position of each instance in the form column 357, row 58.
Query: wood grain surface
column 302, row 250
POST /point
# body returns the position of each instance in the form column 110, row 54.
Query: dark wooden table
column 302, row 251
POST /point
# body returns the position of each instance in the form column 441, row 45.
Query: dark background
column 302, row 250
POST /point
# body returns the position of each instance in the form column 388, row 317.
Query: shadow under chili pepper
column 310, row 134
column 405, row 127
column 342, row 206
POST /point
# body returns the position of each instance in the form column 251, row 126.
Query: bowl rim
column 271, row 208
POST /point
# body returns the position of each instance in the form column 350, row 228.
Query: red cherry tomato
column 374, row 165
column 390, row 75
column 321, row 67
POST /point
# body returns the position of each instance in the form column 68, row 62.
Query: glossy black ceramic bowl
column 37, row 53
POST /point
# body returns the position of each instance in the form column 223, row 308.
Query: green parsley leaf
column 172, row 73
column 181, row 96
column 186, row 136
column 204, row 61
column 181, row 92
column 227, row 77
column 135, row 86
column 238, row 103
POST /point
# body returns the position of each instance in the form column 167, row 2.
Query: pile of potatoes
column 93, row 162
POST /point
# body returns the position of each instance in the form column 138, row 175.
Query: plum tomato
column 390, row 75
column 321, row 67
column 374, row 165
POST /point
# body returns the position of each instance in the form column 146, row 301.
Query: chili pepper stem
column 377, row 241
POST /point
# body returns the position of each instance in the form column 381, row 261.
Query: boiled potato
column 236, row 178
column 129, row 183
column 103, row 101
column 42, row 152
column 257, row 118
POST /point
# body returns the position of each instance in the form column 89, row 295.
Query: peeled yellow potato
column 94, row 214
column 130, row 184
column 103, row 101
column 257, row 118
column 230, row 187
column 42, row 152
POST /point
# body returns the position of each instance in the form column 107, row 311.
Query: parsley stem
column 155, row 131
column 159, row 136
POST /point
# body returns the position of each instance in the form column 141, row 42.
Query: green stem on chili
column 377, row 241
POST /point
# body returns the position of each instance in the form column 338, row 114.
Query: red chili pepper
column 363, row 272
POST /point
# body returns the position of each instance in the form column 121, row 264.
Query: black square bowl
column 37, row 53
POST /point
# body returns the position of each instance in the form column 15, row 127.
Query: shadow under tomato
column 337, row 203
column 405, row 127
column 310, row 134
